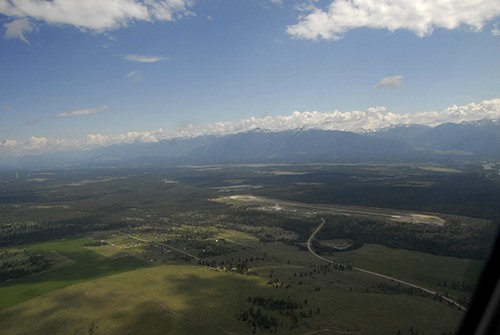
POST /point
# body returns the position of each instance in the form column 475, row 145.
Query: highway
column 309, row 247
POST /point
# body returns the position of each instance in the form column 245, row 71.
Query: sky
column 82, row 74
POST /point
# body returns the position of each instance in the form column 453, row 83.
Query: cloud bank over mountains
column 372, row 119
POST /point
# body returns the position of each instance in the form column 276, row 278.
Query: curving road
column 309, row 247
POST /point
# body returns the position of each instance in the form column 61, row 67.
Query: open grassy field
column 87, row 265
column 163, row 257
column 99, row 295
column 439, row 273
column 414, row 265
column 192, row 299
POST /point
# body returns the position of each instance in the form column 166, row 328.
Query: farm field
column 86, row 265
column 187, row 298
column 185, row 250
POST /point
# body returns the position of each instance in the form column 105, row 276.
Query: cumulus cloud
column 96, row 15
column 418, row 16
column 96, row 140
column 8, row 144
column 144, row 59
column 80, row 112
column 390, row 82
column 140, row 137
column 38, row 145
column 371, row 119
column 17, row 29
column 38, row 142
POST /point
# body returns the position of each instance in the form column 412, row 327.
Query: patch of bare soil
column 419, row 218
column 338, row 244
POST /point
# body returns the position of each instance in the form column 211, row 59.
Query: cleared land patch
column 87, row 265
column 337, row 244
column 420, row 218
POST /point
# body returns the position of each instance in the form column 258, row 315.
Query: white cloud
column 80, row 112
column 134, row 75
column 140, row 137
column 96, row 15
column 391, row 82
column 17, row 29
column 144, row 59
column 495, row 31
column 373, row 118
column 37, row 144
column 96, row 140
column 418, row 16
column 9, row 144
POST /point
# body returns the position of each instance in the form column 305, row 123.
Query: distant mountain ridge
column 297, row 144
column 479, row 140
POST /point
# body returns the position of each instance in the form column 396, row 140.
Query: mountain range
column 471, row 140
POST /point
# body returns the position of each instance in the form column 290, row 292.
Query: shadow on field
column 88, row 266
column 87, row 270
column 178, row 300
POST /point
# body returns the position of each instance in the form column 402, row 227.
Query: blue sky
column 79, row 74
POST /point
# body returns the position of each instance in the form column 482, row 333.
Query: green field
column 136, row 255
column 87, row 265
column 416, row 267
column 192, row 299
column 99, row 295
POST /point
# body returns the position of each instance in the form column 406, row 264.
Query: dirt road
column 160, row 244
